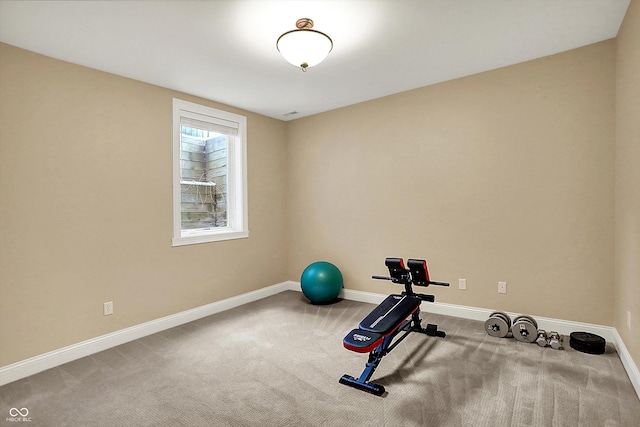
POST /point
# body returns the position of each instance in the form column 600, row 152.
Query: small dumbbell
column 542, row 340
column 555, row 340
column 525, row 329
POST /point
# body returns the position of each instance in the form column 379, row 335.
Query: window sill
column 195, row 239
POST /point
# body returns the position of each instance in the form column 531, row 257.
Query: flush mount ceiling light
column 304, row 47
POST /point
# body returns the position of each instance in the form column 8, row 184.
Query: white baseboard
column 63, row 355
column 627, row 362
column 564, row 327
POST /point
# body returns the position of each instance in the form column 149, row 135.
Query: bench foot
column 432, row 331
column 375, row 389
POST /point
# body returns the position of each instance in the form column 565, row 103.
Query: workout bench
column 397, row 314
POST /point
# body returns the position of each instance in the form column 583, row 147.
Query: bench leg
column 362, row 383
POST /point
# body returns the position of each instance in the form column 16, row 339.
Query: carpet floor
column 277, row 361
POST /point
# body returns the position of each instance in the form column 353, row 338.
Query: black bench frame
column 397, row 315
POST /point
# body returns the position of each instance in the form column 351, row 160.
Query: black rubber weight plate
column 587, row 342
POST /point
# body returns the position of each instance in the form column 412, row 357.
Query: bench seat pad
column 389, row 314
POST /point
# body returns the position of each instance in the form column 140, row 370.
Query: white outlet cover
column 108, row 308
column 502, row 287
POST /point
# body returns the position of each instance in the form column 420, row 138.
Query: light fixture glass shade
column 304, row 47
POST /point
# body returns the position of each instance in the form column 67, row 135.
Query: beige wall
column 627, row 189
column 86, row 208
column 506, row 175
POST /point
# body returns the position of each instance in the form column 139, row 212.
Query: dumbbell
column 525, row 329
column 551, row 339
column 498, row 324
column 542, row 339
column 555, row 341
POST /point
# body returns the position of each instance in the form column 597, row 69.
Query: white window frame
column 237, row 214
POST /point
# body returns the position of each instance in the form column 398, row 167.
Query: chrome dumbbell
column 525, row 329
column 542, row 340
column 498, row 324
column 555, row 340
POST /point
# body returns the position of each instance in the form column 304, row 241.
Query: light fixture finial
column 304, row 24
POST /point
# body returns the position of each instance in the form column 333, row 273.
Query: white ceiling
column 225, row 50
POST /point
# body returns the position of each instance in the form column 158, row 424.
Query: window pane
column 203, row 178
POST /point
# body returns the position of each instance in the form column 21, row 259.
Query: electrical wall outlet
column 462, row 284
column 628, row 319
column 108, row 308
column 502, row 287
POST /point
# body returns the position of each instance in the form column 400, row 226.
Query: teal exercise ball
column 321, row 282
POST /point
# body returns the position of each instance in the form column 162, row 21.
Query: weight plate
column 524, row 316
column 587, row 342
column 502, row 315
column 497, row 326
column 525, row 329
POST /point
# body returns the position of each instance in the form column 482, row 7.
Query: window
column 209, row 174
